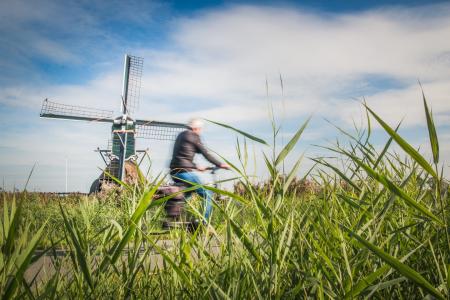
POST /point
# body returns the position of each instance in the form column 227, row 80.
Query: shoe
column 166, row 225
column 194, row 225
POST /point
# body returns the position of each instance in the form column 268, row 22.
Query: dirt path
column 44, row 268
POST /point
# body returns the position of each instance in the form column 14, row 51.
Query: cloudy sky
column 213, row 60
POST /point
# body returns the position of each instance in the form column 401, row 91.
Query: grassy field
column 368, row 223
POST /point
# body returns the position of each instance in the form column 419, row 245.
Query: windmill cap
column 196, row 123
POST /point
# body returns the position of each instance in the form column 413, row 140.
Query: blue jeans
column 204, row 193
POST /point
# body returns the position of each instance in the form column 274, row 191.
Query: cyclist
column 182, row 165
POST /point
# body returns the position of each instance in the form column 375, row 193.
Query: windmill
column 125, row 129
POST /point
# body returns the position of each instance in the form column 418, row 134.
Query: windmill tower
column 125, row 129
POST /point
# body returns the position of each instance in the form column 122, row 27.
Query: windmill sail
column 131, row 91
column 158, row 130
column 124, row 128
column 73, row 112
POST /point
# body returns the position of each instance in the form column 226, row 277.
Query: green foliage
column 369, row 223
column 17, row 249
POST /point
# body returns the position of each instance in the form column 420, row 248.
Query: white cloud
column 223, row 57
column 215, row 65
column 406, row 104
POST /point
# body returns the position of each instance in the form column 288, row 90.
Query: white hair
column 195, row 123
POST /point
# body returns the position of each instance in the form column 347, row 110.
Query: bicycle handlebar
column 213, row 169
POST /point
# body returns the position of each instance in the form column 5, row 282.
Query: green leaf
column 339, row 172
column 405, row 145
column 172, row 263
column 252, row 137
column 144, row 202
column 271, row 168
column 23, row 262
column 369, row 125
column 81, row 258
column 289, row 146
column 357, row 140
column 221, row 292
column 117, row 180
column 366, row 281
column 431, row 131
column 241, row 234
column 226, row 193
column 245, row 240
column 13, row 228
column 386, row 147
column 292, row 174
column 29, row 177
column 5, row 221
column 448, row 277
column 349, row 200
column 324, row 257
column 384, row 285
column 402, row 268
column 394, row 189
column 195, row 186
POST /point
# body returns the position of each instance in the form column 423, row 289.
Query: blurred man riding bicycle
column 182, row 166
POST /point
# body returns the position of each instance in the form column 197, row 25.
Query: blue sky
column 211, row 59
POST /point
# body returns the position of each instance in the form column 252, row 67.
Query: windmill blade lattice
column 155, row 130
column 124, row 128
column 64, row 111
column 133, row 86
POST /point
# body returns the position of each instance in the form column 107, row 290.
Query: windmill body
column 125, row 129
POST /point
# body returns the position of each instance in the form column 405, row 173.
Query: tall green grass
column 375, row 225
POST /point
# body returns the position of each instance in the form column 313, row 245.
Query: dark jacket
column 186, row 146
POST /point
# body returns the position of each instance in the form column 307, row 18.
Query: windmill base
column 105, row 183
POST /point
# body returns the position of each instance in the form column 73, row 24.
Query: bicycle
column 177, row 216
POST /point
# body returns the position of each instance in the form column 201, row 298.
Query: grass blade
column 29, row 177
column 23, row 262
column 402, row 268
column 395, row 189
column 431, row 131
column 405, row 145
column 252, row 137
column 241, row 234
column 339, row 172
column 369, row 279
column 144, row 202
column 386, row 147
column 292, row 174
column 13, row 228
column 290, row 145
column 81, row 258
column 270, row 167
